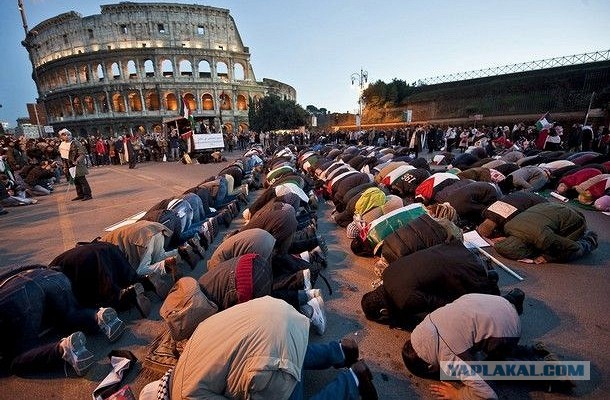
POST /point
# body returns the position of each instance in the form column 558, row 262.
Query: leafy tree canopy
column 270, row 113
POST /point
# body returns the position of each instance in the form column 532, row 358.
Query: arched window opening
column 186, row 68
column 135, row 102
column 78, row 106
column 149, row 68
column 171, row 101
column 167, row 68
column 190, row 101
column 238, row 72
column 68, row 106
column 242, row 104
column 207, row 102
column 118, row 103
column 102, row 103
column 84, row 73
column 100, row 72
column 222, row 72
column 116, row 71
column 72, row 73
column 152, row 101
column 225, row 102
column 205, row 71
column 131, row 69
column 89, row 106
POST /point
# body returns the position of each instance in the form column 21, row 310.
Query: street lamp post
column 360, row 78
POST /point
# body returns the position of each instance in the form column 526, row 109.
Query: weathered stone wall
column 130, row 65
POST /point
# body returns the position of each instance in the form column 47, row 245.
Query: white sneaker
column 110, row 324
column 75, row 352
column 306, row 279
column 318, row 318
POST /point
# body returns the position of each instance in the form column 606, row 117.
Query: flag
column 544, row 122
column 185, row 111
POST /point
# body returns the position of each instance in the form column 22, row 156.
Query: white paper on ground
column 472, row 239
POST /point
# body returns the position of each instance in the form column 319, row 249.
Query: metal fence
column 521, row 67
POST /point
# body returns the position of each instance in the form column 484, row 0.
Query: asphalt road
column 566, row 305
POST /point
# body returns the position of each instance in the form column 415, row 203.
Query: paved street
column 566, row 305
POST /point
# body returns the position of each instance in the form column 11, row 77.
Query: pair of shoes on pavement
column 134, row 296
column 314, row 309
column 183, row 252
column 195, row 243
column 82, row 198
column 156, row 283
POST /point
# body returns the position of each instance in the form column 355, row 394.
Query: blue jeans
column 323, row 356
column 222, row 196
column 30, row 299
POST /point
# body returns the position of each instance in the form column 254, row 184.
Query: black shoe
column 365, row 381
column 85, row 198
column 77, row 198
column 155, row 282
column 134, row 296
column 516, row 298
column 194, row 243
column 350, row 351
column 3, row 212
column 186, row 256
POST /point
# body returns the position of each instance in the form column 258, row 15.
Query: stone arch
column 100, row 72
column 167, row 68
column 132, row 70
column 152, row 101
column 77, row 105
column 222, row 72
column 204, row 69
column 102, row 102
column 115, row 70
column 225, row 102
column 242, row 103
column 243, row 127
column 171, row 101
column 135, row 102
column 67, row 106
column 89, row 105
column 238, row 72
column 72, row 75
column 149, row 68
column 118, row 103
column 227, row 127
column 54, row 109
column 207, row 102
column 83, row 73
column 186, row 68
column 190, row 101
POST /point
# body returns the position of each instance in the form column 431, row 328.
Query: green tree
column 271, row 113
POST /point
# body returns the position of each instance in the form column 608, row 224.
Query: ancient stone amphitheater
column 127, row 68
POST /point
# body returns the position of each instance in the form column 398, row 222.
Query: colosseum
column 129, row 67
